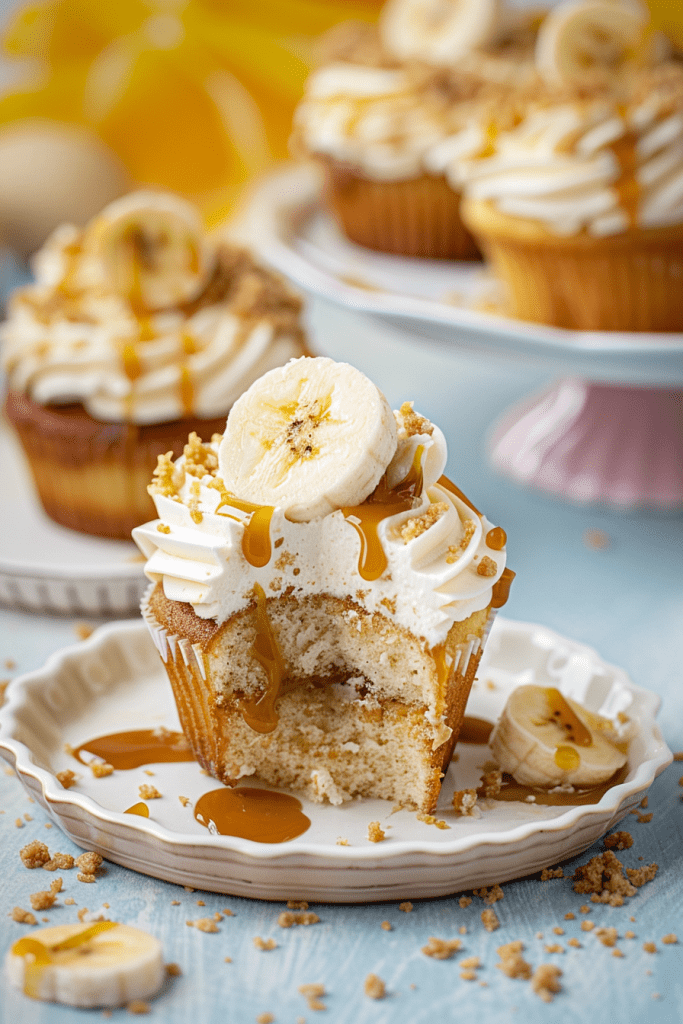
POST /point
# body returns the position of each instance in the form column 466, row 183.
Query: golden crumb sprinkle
column 574, row 943
column 23, row 916
column 441, row 949
column 184, row 800
column 587, row 926
column 431, row 819
column 554, row 947
column 490, row 896
column 464, row 802
column 558, row 931
column 101, row 769
column 617, row 953
column 670, row 940
column 67, row 778
column 162, row 528
column 265, row 1018
column 512, row 963
column 69, row 902
column 406, row 907
column 418, row 525
column 374, row 987
column 464, row 901
column 86, row 877
column 44, row 900
column 487, row 567
column 83, row 630
column 598, row 540
column 412, row 422
column 148, row 792
column 545, row 982
column 34, row 855
column 639, row 876
column 584, row 909
column 548, row 873
column 264, row 944
column 312, row 994
column 629, row 935
column 570, row 916
column 386, row 926
column 89, row 862
column 167, row 478
column 138, row 1006
column 288, row 918
column 618, row 841
column 649, row 947
column 489, row 919
column 342, row 842
column 471, row 963
column 604, row 877
column 375, row 833
column 200, row 459
column 644, row 819
column 60, row 862
column 455, row 550
column 19, row 822
column 491, row 783
column 173, row 970
column 607, row 936
column 196, row 515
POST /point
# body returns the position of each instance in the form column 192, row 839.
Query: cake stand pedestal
column 620, row 445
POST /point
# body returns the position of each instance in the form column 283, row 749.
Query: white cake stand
column 609, row 430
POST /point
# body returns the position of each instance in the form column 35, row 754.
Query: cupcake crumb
column 312, row 994
column 264, row 944
column 441, row 949
column 374, row 987
column 375, row 833
column 545, row 982
column 596, row 540
column 489, row 919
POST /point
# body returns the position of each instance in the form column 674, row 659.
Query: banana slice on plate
column 544, row 739
column 309, row 437
column 151, row 247
column 438, row 32
column 591, row 39
column 104, row 964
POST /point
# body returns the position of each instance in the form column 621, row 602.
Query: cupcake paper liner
column 418, row 217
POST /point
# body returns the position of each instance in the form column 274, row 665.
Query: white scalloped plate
column 441, row 300
column 115, row 681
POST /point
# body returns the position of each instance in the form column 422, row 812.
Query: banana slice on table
column 309, row 437
column 151, row 247
column 544, row 739
column 591, row 39
column 438, row 31
column 104, row 964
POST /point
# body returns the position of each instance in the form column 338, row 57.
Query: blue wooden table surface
column 626, row 600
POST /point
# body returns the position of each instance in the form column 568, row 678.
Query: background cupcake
column 390, row 107
column 578, row 198
column 138, row 330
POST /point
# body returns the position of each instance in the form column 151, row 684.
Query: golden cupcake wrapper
column 194, row 694
column 627, row 282
column 418, row 217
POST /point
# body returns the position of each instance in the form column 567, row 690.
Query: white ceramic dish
column 438, row 300
column 115, row 681
column 45, row 567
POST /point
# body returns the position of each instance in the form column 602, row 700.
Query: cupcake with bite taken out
column 321, row 592
column 577, row 200
column 138, row 330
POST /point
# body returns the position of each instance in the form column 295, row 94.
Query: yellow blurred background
column 192, row 95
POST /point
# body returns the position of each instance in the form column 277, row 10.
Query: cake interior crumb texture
column 364, row 707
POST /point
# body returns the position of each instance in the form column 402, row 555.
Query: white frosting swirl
column 593, row 166
column 374, row 119
column 430, row 582
column 91, row 348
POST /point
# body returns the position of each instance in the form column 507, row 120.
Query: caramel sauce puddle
column 257, row 814
column 125, row 750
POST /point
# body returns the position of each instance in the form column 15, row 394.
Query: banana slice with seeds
column 438, row 32
column 591, row 40
column 544, row 739
column 151, row 247
column 309, row 437
column 104, row 964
